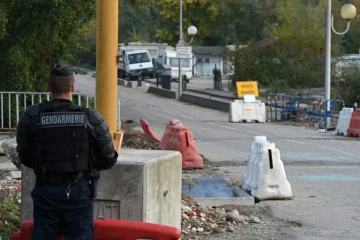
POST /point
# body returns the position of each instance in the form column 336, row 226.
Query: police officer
column 64, row 144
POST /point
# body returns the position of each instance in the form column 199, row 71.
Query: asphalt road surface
column 323, row 168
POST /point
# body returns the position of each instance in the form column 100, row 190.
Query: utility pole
column 106, row 60
column 181, row 42
column 327, row 66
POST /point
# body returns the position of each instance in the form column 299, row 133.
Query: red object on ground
column 113, row 229
column 177, row 137
column 354, row 127
column 147, row 130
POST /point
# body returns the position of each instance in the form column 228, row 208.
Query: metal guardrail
column 12, row 104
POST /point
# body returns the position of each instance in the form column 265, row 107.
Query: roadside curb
column 205, row 102
column 212, row 94
column 162, row 92
column 129, row 84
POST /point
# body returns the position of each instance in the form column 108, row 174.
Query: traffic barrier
column 113, row 229
column 265, row 176
column 147, row 130
column 249, row 171
column 241, row 111
column 344, row 121
column 177, row 137
column 354, row 127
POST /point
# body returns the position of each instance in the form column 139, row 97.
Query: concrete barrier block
column 241, row 111
column 125, row 83
column 344, row 121
column 162, row 92
column 265, row 177
column 144, row 185
column 205, row 102
column 248, row 174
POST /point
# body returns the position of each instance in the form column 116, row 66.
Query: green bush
column 10, row 218
column 347, row 89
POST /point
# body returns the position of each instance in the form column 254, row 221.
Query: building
column 205, row 60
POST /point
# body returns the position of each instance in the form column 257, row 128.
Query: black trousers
column 55, row 214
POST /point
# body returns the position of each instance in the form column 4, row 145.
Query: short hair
column 60, row 85
column 61, row 78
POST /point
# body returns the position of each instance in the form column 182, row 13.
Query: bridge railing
column 13, row 104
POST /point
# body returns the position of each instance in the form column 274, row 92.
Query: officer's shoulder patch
column 63, row 119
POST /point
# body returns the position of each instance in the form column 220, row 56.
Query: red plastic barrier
column 113, row 229
column 354, row 127
column 147, row 130
column 177, row 137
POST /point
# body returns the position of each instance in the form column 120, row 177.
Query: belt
column 63, row 178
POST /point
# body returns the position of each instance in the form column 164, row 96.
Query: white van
column 170, row 59
column 131, row 63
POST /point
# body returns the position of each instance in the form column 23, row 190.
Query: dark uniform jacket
column 98, row 130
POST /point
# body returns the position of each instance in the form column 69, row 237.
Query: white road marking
column 141, row 105
column 186, row 117
column 154, row 108
column 338, row 151
column 229, row 127
column 255, row 133
column 169, row 112
column 294, row 141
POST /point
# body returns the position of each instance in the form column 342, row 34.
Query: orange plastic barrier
column 147, row 130
column 113, row 229
column 354, row 127
column 177, row 137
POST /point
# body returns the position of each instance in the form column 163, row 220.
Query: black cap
column 61, row 70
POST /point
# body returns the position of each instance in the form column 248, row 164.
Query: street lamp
column 192, row 30
column 348, row 12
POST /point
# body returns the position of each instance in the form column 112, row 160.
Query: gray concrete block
column 122, row 82
column 162, row 92
column 144, row 185
column 214, row 191
column 240, row 198
column 125, row 83
column 205, row 102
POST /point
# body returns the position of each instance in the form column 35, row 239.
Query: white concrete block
column 248, row 174
column 241, row 111
column 265, row 177
column 344, row 121
column 144, row 185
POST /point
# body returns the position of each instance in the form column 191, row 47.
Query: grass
column 9, row 217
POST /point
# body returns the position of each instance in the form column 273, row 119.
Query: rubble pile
column 134, row 139
column 10, row 190
column 8, row 147
column 198, row 219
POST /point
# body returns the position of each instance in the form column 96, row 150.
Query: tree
column 34, row 35
column 137, row 22
column 201, row 13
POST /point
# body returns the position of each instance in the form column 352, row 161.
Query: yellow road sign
column 247, row 88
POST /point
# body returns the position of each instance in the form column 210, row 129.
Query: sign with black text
column 247, row 88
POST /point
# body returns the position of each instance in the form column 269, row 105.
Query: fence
column 308, row 106
column 13, row 104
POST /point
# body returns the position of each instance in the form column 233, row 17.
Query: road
column 220, row 140
column 323, row 168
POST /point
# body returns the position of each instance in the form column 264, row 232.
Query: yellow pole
column 106, row 60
